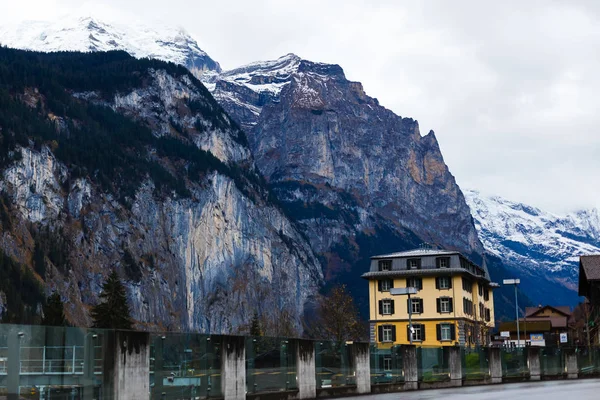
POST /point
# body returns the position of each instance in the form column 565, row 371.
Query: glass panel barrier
column 185, row 365
column 333, row 365
column 514, row 362
column 588, row 360
column 551, row 361
column 386, row 364
column 433, row 364
column 270, row 364
column 475, row 363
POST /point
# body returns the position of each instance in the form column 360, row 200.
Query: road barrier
column 38, row 362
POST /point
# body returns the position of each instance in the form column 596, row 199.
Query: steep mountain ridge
column 195, row 237
column 77, row 33
column 542, row 247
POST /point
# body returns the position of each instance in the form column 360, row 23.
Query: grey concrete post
column 455, row 362
column 306, row 369
column 233, row 368
column 495, row 358
column 126, row 371
column 533, row 361
column 411, row 371
column 571, row 363
column 13, row 369
column 362, row 365
column 88, row 366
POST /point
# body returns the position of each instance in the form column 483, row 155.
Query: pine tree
column 54, row 314
column 113, row 311
column 255, row 326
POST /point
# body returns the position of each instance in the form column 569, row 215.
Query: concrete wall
column 362, row 367
column 233, row 367
column 306, row 368
column 126, row 372
column 495, row 360
column 455, row 361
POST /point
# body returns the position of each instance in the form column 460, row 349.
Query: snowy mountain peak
column 533, row 241
column 86, row 33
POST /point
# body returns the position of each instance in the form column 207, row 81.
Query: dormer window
column 385, row 265
column 414, row 263
column 442, row 262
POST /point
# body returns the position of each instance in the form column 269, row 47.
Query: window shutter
column 380, row 332
column 438, row 329
column 438, row 302
column 407, row 282
column 392, row 308
column 391, row 283
column 449, row 282
column 393, row 333
column 450, row 301
column 422, row 332
column 437, row 283
column 453, row 332
column 380, row 307
column 421, row 305
column 381, row 362
column 379, row 283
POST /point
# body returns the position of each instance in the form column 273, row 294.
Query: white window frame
column 387, row 363
column 386, row 307
column 444, row 279
column 415, row 304
column 417, row 333
column 446, row 301
column 386, row 285
column 387, row 333
column 410, row 261
column 448, row 329
column 444, row 260
column 386, row 265
column 412, row 282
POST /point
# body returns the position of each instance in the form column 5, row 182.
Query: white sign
column 505, row 334
column 563, row 337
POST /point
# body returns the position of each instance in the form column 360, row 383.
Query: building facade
column 454, row 304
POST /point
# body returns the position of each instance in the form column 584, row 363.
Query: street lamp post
column 515, row 282
column 406, row 291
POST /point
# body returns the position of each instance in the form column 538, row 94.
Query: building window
column 488, row 316
column 385, row 265
column 467, row 285
column 467, row 306
column 444, row 305
column 481, row 311
column 415, row 306
column 443, row 282
column 387, row 363
column 480, row 288
column 442, row 262
column 414, row 263
column 418, row 332
column 385, row 285
column 445, row 332
column 414, row 282
column 387, row 307
column 486, row 294
column 386, row 333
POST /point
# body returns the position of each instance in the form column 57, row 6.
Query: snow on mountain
column 245, row 90
column 90, row 34
column 536, row 243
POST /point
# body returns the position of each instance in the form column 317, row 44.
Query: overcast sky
column 511, row 88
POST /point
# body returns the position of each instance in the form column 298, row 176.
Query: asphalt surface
column 582, row 389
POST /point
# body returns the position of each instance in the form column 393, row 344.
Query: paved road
column 582, row 389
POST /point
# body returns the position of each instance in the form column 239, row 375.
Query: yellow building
column 454, row 303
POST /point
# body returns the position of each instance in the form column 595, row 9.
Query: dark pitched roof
column 557, row 322
column 531, row 311
column 591, row 267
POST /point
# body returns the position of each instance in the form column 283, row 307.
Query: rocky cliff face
column 203, row 254
column 540, row 247
column 355, row 176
